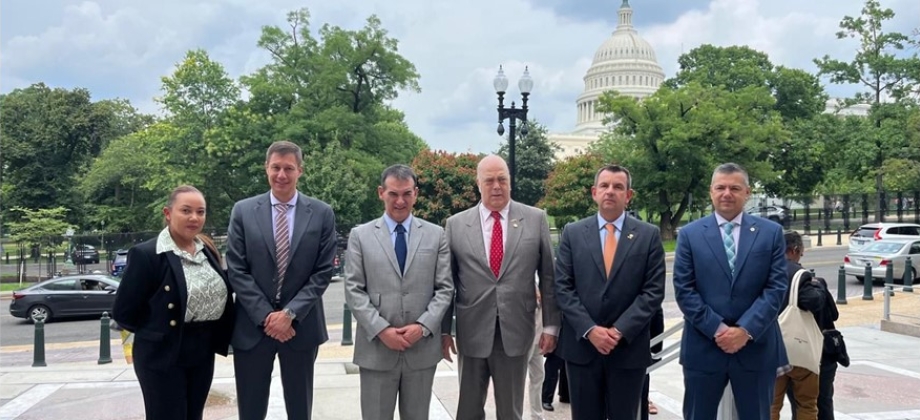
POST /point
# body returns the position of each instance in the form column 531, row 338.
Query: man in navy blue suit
column 729, row 281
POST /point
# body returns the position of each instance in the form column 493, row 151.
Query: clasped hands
column 604, row 339
column 732, row 339
column 278, row 326
column 400, row 339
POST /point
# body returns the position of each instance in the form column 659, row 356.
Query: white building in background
column 627, row 63
column 624, row 62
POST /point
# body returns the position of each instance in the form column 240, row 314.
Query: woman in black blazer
column 176, row 299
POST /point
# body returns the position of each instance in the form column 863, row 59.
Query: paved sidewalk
column 882, row 383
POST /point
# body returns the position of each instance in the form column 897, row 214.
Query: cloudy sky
column 119, row 48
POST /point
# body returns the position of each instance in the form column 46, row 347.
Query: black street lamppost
column 512, row 114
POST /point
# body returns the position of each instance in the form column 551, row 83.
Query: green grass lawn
column 670, row 245
column 9, row 287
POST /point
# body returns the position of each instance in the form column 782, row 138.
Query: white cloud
column 118, row 48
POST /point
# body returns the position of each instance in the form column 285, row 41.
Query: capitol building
column 627, row 64
column 624, row 62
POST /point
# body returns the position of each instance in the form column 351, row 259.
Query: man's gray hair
column 731, row 168
column 400, row 172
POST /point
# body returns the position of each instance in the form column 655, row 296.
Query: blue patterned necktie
column 401, row 249
column 728, row 240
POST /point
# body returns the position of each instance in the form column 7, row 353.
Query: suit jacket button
column 170, row 306
column 172, row 323
column 166, row 288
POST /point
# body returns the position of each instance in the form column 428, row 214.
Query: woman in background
column 176, row 299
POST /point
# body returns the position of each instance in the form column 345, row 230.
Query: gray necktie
column 282, row 244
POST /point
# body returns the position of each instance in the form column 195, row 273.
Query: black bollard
column 889, row 277
column 346, row 326
column 819, row 237
column 38, row 350
column 867, row 282
column 908, row 276
column 839, row 241
column 841, row 286
column 105, row 341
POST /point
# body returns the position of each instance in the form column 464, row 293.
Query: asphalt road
column 15, row 331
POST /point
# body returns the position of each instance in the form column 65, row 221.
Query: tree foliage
column 446, row 183
column 39, row 227
column 533, row 162
column 568, row 188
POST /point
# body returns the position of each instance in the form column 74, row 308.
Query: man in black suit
column 281, row 247
column 610, row 276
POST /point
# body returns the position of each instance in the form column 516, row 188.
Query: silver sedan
column 880, row 255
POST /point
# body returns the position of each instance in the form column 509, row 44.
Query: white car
column 872, row 232
column 880, row 254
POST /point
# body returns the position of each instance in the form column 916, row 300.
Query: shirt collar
column 721, row 220
column 618, row 223
column 291, row 203
column 165, row 243
column 486, row 213
column 391, row 224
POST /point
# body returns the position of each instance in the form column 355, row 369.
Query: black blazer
column 151, row 303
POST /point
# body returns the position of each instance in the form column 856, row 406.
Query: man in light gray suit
column 280, row 250
column 496, row 247
column 398, row 285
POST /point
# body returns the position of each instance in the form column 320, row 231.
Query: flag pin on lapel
column 630, row 236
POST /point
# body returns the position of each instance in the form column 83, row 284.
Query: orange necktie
column 610, row 248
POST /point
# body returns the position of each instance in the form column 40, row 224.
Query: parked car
column 85, row 254
column 778, row 214
column 880, row 254
column 79, row 295
column 871, row 232
column 121, row 260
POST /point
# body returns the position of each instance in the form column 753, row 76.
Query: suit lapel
column 514, row 232
column 264, row 214
column 303, row 214
column 746, row 239
column 624, row 245
column 415, row 239
column 476, row 242
column 713, row 237
column 176, row 266
column 593, row 243
column 382, row 233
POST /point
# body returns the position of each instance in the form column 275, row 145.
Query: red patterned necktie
column 497, row 249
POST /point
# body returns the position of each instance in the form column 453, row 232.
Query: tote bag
column 801, row 334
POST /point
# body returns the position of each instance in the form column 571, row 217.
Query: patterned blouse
column 207, row 293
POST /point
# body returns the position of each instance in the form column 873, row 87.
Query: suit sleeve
column 551, row 317
column 356, row 295
column 766, row 307
column 443, row 287
column 248, row 293
column 137, row 286
column 447, row 321
column 697, row 313
column 637, row 316
column 313, row 289
column 567, row 298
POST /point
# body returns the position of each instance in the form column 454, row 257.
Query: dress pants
column 253, row 369
column 803, row 384
column 508, row 376
column 753, row 392
column 656, row 328
column 601, row 391
column 177, row 392
column 535, row 373
column 554, row 368
column 380, row 390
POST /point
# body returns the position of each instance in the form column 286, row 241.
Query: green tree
column 446, row 183
column 568, row 188
column 333, row 176
column 40, row 227
column 879, row 65
column 673, row 139
column 533, row 160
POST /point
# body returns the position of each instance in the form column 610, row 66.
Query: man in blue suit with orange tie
column 729, row 281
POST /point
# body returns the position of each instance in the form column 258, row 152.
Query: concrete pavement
column 882, row 383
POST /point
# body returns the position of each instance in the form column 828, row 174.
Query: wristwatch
column 289, row 313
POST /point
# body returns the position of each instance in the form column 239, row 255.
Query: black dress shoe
column 548, row 407
column 564, row 400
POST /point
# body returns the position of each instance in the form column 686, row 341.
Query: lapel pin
column 514, row 223
column 752, row 229
column 630, row 236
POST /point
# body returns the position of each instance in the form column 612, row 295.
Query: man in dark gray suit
column 496, row 247
column 398, row 285
column 610, row 276
column 281, row 246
